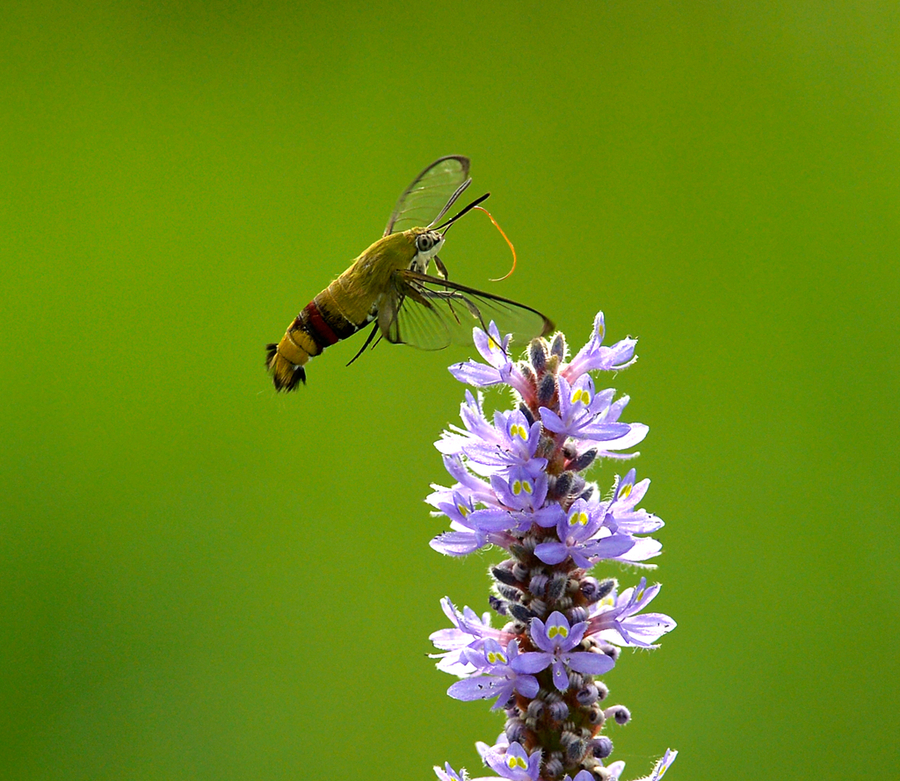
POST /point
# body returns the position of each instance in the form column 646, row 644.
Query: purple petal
column 663, row 765
column 482, row 687
column 611, row 547
column 491, row 520
column 611, row 434
column 456, row 543
column 560, row 677
column 551, row 552
column 527, row 686
column 531, row 662
column 448, row 774
column 590, row 663
column 647, row 628
column 576, row 633
column 476, row 374
column 636, row 435
column 538, row 632
column 644, row 548
column 550, row 515
column 552, row 421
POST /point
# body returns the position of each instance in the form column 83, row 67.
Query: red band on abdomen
column 318, row 329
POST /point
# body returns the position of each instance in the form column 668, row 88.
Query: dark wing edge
column 431, row 313
column 454, row 178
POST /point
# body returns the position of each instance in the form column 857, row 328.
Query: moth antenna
column 446, row 226
column 459, row 191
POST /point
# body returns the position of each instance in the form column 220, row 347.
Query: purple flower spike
column 517, row 482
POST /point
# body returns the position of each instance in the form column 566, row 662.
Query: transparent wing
column 429, row 193
column 431, row 313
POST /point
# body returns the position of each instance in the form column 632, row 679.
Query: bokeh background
column 201, row 579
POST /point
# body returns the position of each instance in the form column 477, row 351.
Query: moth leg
column 370, row 337
column 449, row 297
column 442, row 269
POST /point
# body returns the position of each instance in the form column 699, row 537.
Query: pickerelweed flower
column 519, row 485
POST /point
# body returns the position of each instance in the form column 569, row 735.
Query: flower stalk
column 520, row 485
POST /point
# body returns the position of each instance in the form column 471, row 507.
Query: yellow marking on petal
column 495, row 656
column 513, row 762
column 518, row 430
column 579, row 519
column 522, row 485
column 463, row 510
column 492, row 345
column 580, row 394
column 607, row 601
column 557, row 630
column 626, row 491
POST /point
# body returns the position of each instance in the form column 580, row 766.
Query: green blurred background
column 202, row 579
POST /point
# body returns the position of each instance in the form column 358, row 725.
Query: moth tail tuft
column 286, row 376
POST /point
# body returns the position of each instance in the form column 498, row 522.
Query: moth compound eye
column 424, row 242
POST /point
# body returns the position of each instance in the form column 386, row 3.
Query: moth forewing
column 429, row 195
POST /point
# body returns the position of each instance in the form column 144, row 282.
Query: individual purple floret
column 515, row 763
column 559, row 643
column 619, row 620
column 518, row 484
column 502, row 672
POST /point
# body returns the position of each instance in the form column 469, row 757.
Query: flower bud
column 546, row 390
column 582, row 462
column 619, row 713
column 601, row 747
column 558, row 346
column 537, row 354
